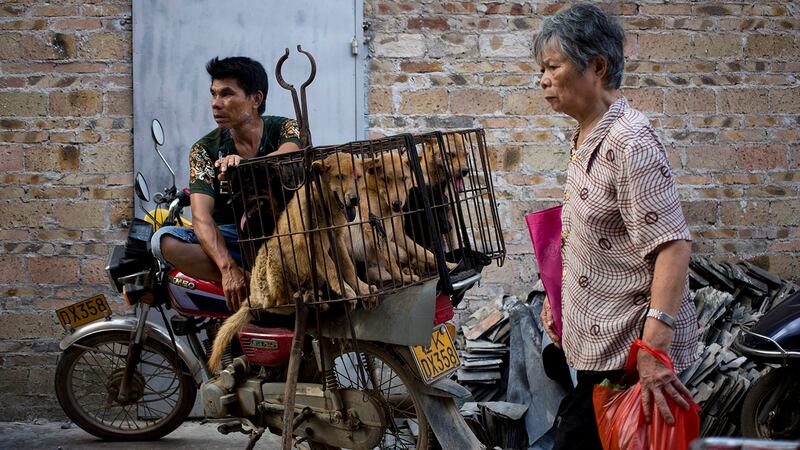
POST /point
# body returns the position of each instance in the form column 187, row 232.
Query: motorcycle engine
column 233, row 391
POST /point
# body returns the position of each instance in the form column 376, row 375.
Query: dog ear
column 320, row 166
column 372, row 165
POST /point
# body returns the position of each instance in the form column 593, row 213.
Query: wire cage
column 369, row 217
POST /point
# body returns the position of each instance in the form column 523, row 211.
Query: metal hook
column 300, row 105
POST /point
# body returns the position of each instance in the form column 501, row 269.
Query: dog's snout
column 465, row 171
column 397, row 206
column 352, row 201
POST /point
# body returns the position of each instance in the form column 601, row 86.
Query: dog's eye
column 405, row 178
column 340, row 177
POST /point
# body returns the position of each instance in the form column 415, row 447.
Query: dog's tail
column 232, row 326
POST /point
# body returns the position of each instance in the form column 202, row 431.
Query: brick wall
column 65, row 161
column 717, row 79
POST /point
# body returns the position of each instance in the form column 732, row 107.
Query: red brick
column 12, row 269
column 762, row 157
column 648, row 100
column 93, row 271
column 744, row 100
column 421, row 66
column 526, row 102
column 77, row 103
column 429, row 101
column 76, row 24
column 53, row 269
column 710, row 156
column 689, row 101
column 747, row 213
column 49, row 46
column 428, row 23
column 785, row 100
column 475, row 101
column 11, row 158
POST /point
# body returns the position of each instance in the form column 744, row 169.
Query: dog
column 387, row 180
column 436, row 168
column 282, row 266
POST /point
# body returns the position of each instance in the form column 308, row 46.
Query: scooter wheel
column 770, row 408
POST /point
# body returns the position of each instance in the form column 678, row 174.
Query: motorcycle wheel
column 87, row 380
column 766, row 417
column 388, row 383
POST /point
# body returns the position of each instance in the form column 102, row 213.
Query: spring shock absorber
column 331, row 380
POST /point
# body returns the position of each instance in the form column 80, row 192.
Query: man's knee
column 170, row 246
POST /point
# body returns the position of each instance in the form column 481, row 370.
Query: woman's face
column 566, row 89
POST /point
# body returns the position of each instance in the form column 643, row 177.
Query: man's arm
column 287, row 147
column 672, row 262
column 213, row 244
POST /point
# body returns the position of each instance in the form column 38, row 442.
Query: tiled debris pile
column 484, row 340
column 728, row 297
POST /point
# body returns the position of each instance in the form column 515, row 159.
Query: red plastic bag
column 620, row 419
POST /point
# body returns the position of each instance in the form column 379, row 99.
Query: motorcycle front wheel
column 388, row 380
column 88, row 377
column 770, row 408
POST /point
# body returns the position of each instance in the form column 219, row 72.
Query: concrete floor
column 190, row 435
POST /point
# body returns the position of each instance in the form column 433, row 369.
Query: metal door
column 173, row 40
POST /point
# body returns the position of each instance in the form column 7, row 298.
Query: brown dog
column 387, row 180
column 437, row 167
column 282, row 265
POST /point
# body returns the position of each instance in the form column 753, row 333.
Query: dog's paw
column 451, row 266
column 370, row 303
column 372, row 288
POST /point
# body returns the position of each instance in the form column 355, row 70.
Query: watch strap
column 661, row 316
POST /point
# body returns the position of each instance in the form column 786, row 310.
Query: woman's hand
column 225, row 162
column 659, row 382
column 549, row 324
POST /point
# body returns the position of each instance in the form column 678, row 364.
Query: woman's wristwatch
column 665, row 318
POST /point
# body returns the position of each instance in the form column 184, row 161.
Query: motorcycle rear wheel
column 388, row 383
column 86, row 380
column 782, row 415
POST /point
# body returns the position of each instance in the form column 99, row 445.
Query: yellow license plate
column 84, row 311
column 439, row 359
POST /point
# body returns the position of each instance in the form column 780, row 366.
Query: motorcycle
column 128, row 378
column 770, row 406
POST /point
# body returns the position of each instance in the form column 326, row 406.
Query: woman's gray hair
column 583, row 32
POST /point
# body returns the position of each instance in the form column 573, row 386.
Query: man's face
column 230, row 105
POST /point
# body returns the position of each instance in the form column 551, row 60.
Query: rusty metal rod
column 292, row 372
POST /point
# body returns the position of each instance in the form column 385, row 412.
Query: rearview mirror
column 140, row 187
column 157, row 132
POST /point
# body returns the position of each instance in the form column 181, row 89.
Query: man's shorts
column 187, row 235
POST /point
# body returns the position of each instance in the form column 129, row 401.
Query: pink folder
column 545, row 229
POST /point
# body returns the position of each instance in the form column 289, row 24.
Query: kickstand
column 255, row 435
column 293, row 370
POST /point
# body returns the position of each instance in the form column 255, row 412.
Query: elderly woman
column 625, row 242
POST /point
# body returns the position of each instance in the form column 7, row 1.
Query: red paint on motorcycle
column 266, row 346
column 195, row 297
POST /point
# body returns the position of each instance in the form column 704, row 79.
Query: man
column 210, row 251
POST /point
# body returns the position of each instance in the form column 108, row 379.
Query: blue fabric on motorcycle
column 187, row 235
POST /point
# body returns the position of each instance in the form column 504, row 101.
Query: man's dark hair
column 250, row 75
